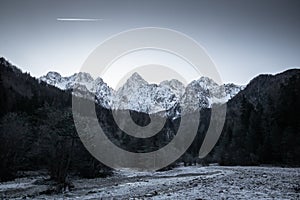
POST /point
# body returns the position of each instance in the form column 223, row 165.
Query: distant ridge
column 138, row 95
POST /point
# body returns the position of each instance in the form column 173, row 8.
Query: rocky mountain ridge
column 138, row 95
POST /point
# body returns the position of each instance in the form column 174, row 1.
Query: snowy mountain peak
column 82, row 77
column 99, row 81
column 175, row 86
column 136, row 76
column 173, row 83
column 53, row 78
column 231, row 89
column 204, row 82
column 134, row 81
column 137, row 94
column 53, row 75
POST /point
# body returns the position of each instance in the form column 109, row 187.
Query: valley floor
column 195, row 182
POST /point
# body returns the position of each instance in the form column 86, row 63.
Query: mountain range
column 37, row 128
column 138, row 95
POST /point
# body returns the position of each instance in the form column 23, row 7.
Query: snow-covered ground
column 195, row 182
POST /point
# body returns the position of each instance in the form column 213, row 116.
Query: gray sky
column 244, row 38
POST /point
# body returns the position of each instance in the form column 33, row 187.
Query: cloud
column 80, row 19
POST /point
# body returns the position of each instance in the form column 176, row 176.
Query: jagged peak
column 171, row 82
column 99, row 80
column 137, row 94
column 207, row 80
column 136, row 77
column 175, row 86
column 82, row 75
column 230, row 84
column 203, row 82
column 53, row 74
column 135, row 80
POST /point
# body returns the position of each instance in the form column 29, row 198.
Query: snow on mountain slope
column 175, row 86
column 101, row 90
column 231, row 90
column 204, row 92
column 55, row 79
column 137, row 94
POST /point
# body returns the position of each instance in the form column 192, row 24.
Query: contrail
column 80, row 19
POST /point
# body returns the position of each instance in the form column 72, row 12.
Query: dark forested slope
column 37, row 129
column 263, row 122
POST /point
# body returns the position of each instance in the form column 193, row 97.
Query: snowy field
column 196, row 182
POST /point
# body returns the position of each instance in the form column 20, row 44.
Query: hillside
column 37, row 129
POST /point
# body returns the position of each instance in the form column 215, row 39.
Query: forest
column 37, row 129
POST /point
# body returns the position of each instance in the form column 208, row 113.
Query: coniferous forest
column 37, row 130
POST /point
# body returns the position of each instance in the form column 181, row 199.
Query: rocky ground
column 196, row 182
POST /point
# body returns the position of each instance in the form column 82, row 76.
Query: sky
column 243, row 38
